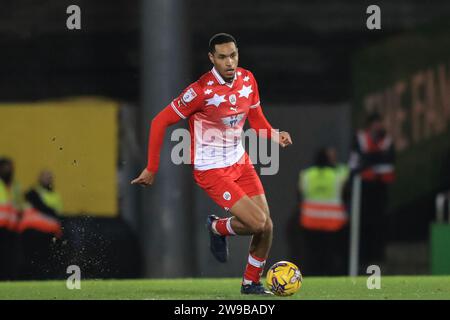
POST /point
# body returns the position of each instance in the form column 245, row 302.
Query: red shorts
column 227, row 185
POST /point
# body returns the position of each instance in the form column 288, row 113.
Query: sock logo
column 227, row 195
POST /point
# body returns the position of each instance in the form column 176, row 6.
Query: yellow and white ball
column 284, row 278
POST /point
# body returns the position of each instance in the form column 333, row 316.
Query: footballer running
column 220, row 102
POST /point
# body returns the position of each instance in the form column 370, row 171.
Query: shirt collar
column 220, row 79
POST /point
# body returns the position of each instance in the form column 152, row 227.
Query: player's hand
column 285, row 139
column 146, row 178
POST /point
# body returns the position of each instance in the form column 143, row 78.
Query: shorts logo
column 189, row 95
column 227, row 195
column 232, row 99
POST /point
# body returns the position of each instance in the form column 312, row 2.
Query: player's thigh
column 249, row 213
column 228, row 194
column 219, row 187
column 261, row 201
column 250, row 182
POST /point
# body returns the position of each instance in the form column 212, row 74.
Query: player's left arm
column 259, row 123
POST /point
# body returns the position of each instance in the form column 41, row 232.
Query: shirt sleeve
column 259, row 123
column 255, row 102
column 189, row 101
column 256, row 117
column 158, row 127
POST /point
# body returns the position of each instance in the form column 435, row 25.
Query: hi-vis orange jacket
column 33, row 219
column 41, row 211
column 10, row 205
column 322, row 208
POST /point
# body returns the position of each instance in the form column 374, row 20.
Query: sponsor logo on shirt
column 232, row 120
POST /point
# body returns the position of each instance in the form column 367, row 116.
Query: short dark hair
column 220, row 38
column 5, row 161
column 321, row 159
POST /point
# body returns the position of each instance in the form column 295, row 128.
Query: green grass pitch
column 317, row 288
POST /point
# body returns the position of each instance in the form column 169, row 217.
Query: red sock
column 223, row 227
column 254, row 269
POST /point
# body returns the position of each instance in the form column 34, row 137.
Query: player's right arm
column 259, row 123
column 181, row 107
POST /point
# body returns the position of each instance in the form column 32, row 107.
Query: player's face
column 225, row 60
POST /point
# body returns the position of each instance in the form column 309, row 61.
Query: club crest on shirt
column 232, row 99
column 189, row 95
column 227, row 196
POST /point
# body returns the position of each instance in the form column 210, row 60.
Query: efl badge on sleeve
column 189, row 95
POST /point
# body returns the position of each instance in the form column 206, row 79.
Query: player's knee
column 259, row 225
column 268, row 227
column 266, row 211
column 258, row 228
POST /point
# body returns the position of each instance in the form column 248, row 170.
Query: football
column 284, row 278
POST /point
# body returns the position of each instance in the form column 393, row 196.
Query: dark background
column 300, row 50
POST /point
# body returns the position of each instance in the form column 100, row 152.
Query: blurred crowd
column 320, row 235
column 30, row 229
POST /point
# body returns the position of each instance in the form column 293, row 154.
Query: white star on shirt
column 246, row 78
column 245, row 91
column 216, row 100
column 208, row 91
column 239, row 73
column 210, row 83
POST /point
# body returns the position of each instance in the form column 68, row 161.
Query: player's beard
column 229, row 79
